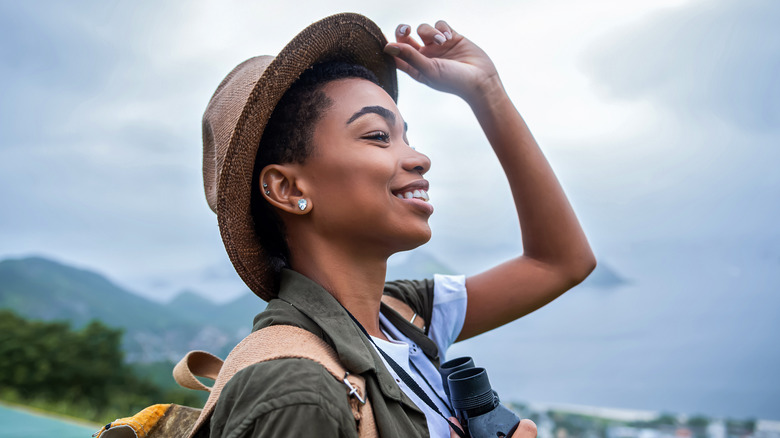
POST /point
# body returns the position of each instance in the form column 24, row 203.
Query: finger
column 454, row 421
column 412, row 57
column 445, row 29
column 430, row 35
column 403, row 34
column 415, row 74
column 526, row 429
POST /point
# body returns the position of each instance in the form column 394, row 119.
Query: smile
column 414, row 194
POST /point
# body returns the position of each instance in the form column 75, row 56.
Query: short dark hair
column 287, row 138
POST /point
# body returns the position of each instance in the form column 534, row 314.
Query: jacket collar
column 353, row 349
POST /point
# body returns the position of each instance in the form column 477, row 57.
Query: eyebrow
column 380, row 110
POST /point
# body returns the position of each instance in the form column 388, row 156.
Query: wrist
column 487, row 95
column 489, row 98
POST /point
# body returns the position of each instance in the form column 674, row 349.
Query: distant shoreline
column 43, row 413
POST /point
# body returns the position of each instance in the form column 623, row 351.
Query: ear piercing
column 265, row 186
column 302, row 204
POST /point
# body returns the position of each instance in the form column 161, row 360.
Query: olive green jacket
column 298, row 397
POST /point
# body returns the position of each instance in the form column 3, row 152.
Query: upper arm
column 513, row 289
column 271, row 398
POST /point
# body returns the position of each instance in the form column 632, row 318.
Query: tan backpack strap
column 281, row 342
column 404, row 310
column 200, row 364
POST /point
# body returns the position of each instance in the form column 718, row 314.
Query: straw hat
column 237, row 115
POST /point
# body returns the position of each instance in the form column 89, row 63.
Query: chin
column 416, row 240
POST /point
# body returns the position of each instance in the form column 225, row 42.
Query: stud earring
column 267, row 192
column 265, row 185
column 302, row 204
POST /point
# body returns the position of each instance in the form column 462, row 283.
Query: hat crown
column 221, row 117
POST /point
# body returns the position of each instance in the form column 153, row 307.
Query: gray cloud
column 703, row 164
column 720, row 57
column 101, row 138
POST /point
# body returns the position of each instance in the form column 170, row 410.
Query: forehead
column 352, row 94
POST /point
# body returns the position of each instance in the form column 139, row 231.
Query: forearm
column 550, row 229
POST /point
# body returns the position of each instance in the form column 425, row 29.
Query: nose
column 416, row 162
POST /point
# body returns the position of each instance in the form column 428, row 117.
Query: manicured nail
column 392, row 50
column 403, row 29
column 448, row 35
column 439, row 38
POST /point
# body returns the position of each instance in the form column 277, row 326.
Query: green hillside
column 43, row 289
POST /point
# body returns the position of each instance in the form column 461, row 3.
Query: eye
column 379, row 136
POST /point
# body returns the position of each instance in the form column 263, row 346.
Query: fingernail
column 448, row 35
column 403, row 29
column 439, row 39
column 392, row 50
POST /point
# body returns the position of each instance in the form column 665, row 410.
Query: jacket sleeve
column 283, row 398
column 418, row 294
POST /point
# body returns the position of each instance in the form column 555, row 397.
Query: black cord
column 447, row 405
column 408, row 380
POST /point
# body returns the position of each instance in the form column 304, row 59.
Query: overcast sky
column 660, row 118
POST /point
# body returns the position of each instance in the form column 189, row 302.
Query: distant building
column 767, row 429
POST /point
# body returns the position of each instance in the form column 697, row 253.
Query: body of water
column 18, row 423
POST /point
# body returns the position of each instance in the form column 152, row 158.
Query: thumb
column 525, row 429
column 455, row 422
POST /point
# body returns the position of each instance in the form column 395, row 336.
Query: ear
column 281, row 187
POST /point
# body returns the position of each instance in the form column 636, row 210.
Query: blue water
column 21, row 424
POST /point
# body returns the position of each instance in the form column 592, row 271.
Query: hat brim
column 344, row 37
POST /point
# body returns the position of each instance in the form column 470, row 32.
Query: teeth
column 417, row 194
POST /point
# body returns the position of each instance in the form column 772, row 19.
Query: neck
column 356, row 279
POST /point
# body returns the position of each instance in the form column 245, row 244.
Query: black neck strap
column 444, row 402
column 408, row 380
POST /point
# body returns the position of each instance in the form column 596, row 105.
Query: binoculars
column 476, row 405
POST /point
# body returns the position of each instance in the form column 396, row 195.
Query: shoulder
column 270, row 398
column 280, row 312
column 417, row 294
column 423, row 295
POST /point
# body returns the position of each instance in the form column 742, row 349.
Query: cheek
column 355, row 188
column 365, row 169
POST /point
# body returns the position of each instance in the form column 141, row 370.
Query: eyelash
column 379, row 136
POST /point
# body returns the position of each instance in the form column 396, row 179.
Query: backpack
column 269, row 343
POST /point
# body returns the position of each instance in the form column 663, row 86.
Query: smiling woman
column 315, row 185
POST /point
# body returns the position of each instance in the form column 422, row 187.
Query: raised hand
column 446, row 61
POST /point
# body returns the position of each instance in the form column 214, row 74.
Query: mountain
column 40, row 288
column 417, row 265
column 604, row 277
column 234, row 317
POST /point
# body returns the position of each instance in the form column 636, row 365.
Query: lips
column 415, row 190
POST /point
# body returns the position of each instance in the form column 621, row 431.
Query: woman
column 315, row 185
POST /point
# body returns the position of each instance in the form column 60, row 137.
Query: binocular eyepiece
column 476, row 405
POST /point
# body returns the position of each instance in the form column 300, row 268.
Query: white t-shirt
column 449, row 312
